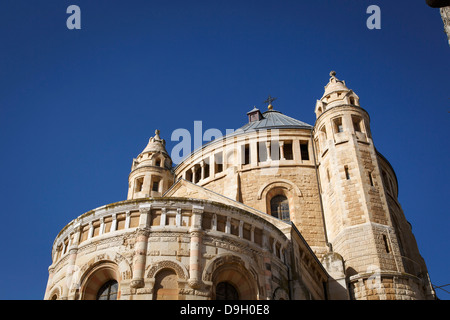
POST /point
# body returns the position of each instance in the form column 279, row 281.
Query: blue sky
column 77, row 105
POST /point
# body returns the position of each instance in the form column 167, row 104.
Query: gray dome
column 273, row 119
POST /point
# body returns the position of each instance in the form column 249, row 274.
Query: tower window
column 139, row 184
column 158, row 163
column 386, row 244
column 304, row 150
column 347, row 174
column 370, row 178
column 338, row 125
column 155, row 186
column 357, row 124
column 352, row 100
column 279, row 208
column 108, row 291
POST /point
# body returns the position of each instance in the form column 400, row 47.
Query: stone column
column 254, row 153
column 281, row 146
column 296, row 150
column 269, row 154
column 214, row 223
column 241, row 229
column 212, row 170
column 71, row 283
column 202, row 168
column 162, row 221
column 196, row 232
column 113, row 223
column 178, row 218
column 127, row 219
column 140, row 248
column 102, row 226
column 228, row 225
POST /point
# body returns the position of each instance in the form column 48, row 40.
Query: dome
column 273, row 119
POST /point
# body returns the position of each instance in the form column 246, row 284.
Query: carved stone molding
column 280, row 294
column 279, row 183
column 135, row 284
column 154, row 268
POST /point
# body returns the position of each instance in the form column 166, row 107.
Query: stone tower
column 364, row 221
column 151, row 173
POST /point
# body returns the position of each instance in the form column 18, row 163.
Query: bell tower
column 151, row 172
column 356, row 207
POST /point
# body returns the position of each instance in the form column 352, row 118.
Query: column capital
column 143, row 232
column 197, row 209
column 145, row 208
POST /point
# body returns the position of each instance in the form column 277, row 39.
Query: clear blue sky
column 77, row 105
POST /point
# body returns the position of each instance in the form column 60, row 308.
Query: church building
column 277, row 210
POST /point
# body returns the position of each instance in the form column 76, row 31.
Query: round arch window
column 108, row 291
column 279, row 208
column 226, row 291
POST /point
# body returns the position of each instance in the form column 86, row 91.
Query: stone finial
column 333, row 74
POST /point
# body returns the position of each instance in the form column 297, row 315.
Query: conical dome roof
column 334, row 85
column 156, row 144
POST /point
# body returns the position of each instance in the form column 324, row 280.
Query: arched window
column 352, row 100
column 226, row 291
column 279, row 208
column 166, row 285
column 108, row 291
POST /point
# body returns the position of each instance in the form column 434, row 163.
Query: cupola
column 151, row 172
column 336, row 94
column 254, row 115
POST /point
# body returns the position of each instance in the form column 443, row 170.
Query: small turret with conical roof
column 336, row 94
column 151, row 172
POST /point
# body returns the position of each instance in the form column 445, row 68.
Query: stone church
column 279, row 209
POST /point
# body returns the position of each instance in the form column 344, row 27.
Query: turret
column 151, row 172
column 357, row 207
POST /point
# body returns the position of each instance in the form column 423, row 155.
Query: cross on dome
column 269, row 100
